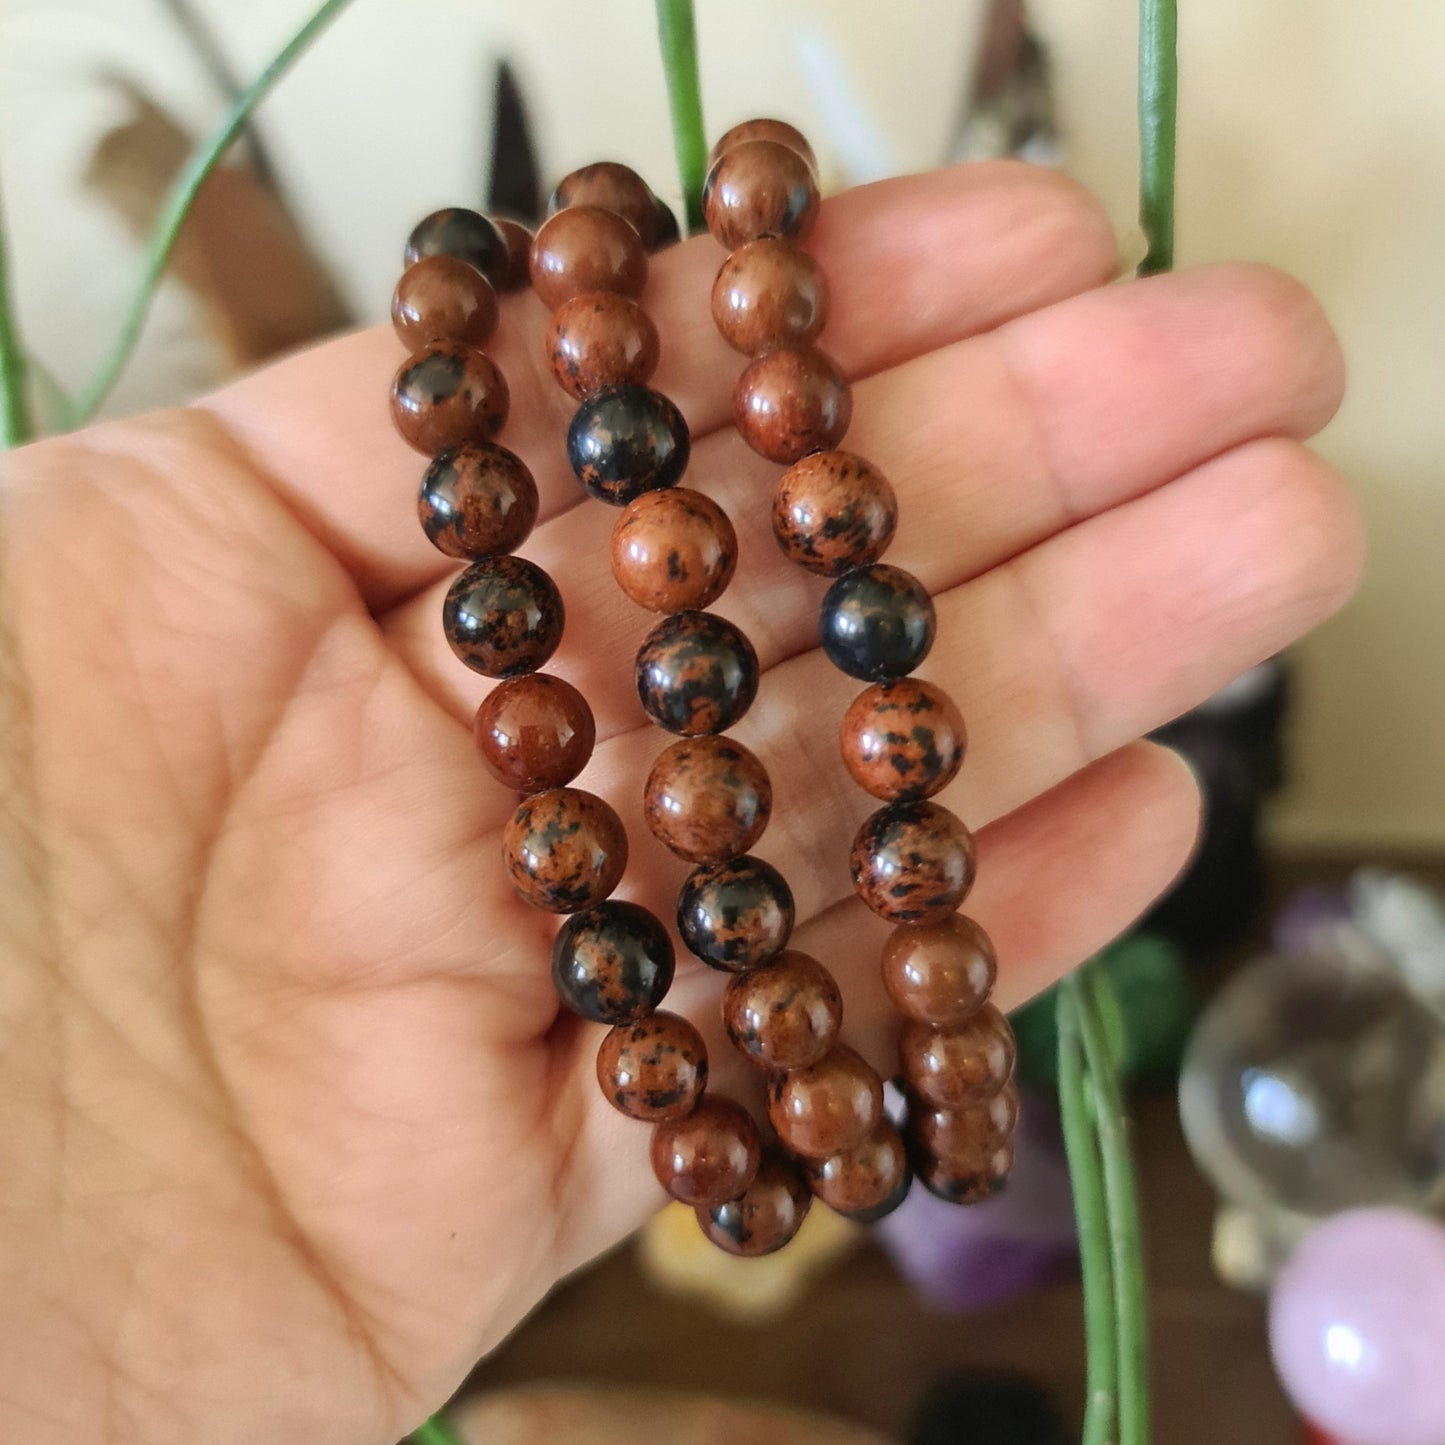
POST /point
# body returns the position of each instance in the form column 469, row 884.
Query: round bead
column 966, row 1182
column 735, row 915
column 828, row 1107
column 601, row 339
column 784, row 1015
column 519, row 253
column 674, row 550
column 626, row 440
column 564, row 850
column 535, row 732
column 833, row 511
column 764, row 129
column 653, row 1069
column 585, row 248
column 709, row 1155
column 952, row 1068
column 789, row 403
column 902, row 740
column 696, row 674
column 966, row 1134
column 665, row 230
column 443, row 299
column 612, row 963
column 759, row 188
column 613, row 187
column 886, row 1206
column 939, row 973
column 503, row 616
column 913, row 862
column 477, row 501
column 448, row 395
column 864, row 1177
column 876, row 622
column 708, row 799
column 765, row 1216
column 465, row 235
column 769, row 293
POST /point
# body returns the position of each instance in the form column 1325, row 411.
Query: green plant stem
column 677, row 39
column 1158, row 107
column 435, row 1431
column 183, row 194
column 14, row 409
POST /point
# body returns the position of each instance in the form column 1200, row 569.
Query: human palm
column 293, row 1130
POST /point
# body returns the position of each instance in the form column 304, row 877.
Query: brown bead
column 759, row 188
column 913, row 862
column 456, row 231
column 535, row 732
column 613, row 187
column 519, row 253
column 966, row 1182
column 477, row 501
column 653, row 1069
column 448, row 395
column 709, row 1155
column 789, row 403
column 674, row 550
column 963, row 1135
column 769, row 293
column 564, row 850
column 735, row 915
column 785, row 1015
column 765, row 1216
column 827, row 1107
column 862, row 1178
column 585, row 248
column 764, row 129
column 708, row 799
column 902, row 740
column 958, row 1066
column 600, row 339
column 833, row 511
column 503, row 616
column 443, row 299
column 939, row 973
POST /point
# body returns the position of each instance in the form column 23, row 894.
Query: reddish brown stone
column 456, row 231
column 653, row 1069
column 519, row 253
column 959, row 1066
column 765, row 1216
column 964, row 1135
column 759, row 188
column 860, row 1179
column 966, row 1181
column 902, row 740
column 614, row 187
column 708, row 1156
column 828, row 1107
column 785, row 1015
column 913, row 862
column 446, row 396
column 600, row 339
column 696, row 674
column 564, row 850
column 443, row 299
column 585, row 248
column 535, row 732
column 769, row 293
column 833, row 511
column 939, row 973
column 673, row 550
column 789, row 403
column 503, row 616
column 708, row 799
column 764, row 129
column 735, row 915
column 477, row 501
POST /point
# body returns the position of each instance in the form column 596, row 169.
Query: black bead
column 626, row 440
column 503, row 616
column 612, row 963
column 696, row 674
column 467, row 235
column 876, row 622
column 735, row 915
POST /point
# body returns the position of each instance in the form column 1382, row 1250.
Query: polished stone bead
column 674, row 550
column 833, row 511
column 759, row 188
column 961, row 1065
column 765, row 129
column 709, row 1155
column 653, row 1069
column 768, row 294
column 614, row 187
column 765, row 1216
column 477, row 501
column 902, row 740
column 612, row 963
column 465, row 235
column 707, row 799
column 443, row 299
column 626, row 440
column 913, row 862
column 535, row 732
column 885, row 1207
column 503, row 616
column 564, row 850
column 696, row 674
column 665, row 231
column 735, row 915
column 861, row 1179
column 964, row 1134
column 828, row 1107
column 598, row 339
column 876, row 622
column 519, row 253
column 966, row 1181
column 939, row 973
column 448, row 395
column 789, row 403
column 585, row 248
column 784, row 1015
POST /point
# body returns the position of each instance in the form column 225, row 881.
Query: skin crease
column 291, row 1133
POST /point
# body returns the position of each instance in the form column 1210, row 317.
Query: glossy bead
column 443, row 299
column 765, row 1216
column 503, row 616
column 535, row 732
column 564, row 850
column 828, row 1107
column 696, row 674
column 585, row 248
column 966, row 1182
column 885, row 1207
column 707, row 1156
column 626, row 440
column 519, row 253
column 614, row 187
column 600, row 339
column 707, row 799
column 902, row 740
column 955, row 1067
column 789, row 403
column 759, row 188
column 612, row 963
column 674, row 551
column 665, row 230
column 653, row 1069
column 465, row 235
column 962, row 1135
column 477, row 501
column 862, row 1178
column 876, row 622
column 447, row 396
column 764, row 129
column 939, row 973
column 735, row 915
column 784, row 1015
column 833, row 511
column 912, row 862
column 769, row 293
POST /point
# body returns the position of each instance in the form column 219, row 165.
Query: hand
column 293, row 1132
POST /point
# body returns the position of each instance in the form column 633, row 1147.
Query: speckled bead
column 902, row 740
column 612, row 963
column 876, row 622
column 765, row 1216
column 789, row 403
column 614, row 187
column 735, row 915
column 626, row 440
column 952, row 1068
column 939, row 973
column 769, row 293
column 463, row 234
column 784, row 1015
column 503, row 616
column 765, row 129
column 966, row 1134
column 585, row 248
column 832, row 511
column 448, row 395
column 653, row 1069
column 443, row 299
column 709, row 1155
column 600, row 339
column 519, row 253
column 912, row 862
column 674, row 550
column 828, row 1107
column 696, row 674
column 564, row 850
column 707, row 799
column 534, row 732
column 966, row 1182
column 759, row 188
column 861, row 1179
column 477, row 501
